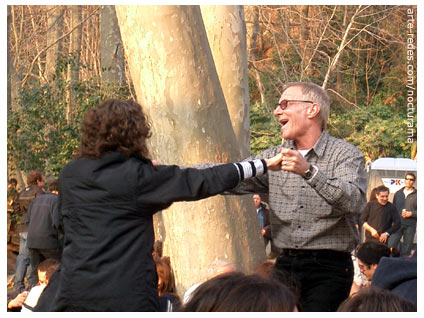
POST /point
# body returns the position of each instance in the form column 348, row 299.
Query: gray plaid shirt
column 319, row 213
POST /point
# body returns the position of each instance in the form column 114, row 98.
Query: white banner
column 393, row 184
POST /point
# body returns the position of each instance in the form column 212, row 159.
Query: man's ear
column 314, row 111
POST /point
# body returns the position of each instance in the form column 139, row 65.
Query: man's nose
column 277, row 111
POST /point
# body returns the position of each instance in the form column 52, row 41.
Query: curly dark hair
column 114, row 125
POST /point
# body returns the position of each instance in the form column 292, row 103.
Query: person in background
column 45, row 271
column 217, row 268
column 43, row 236
column 12, row 195
column 262, row 211
column 369, row 255
column 399, row 275
column 371, row 299
column 237, row 292
column 169, row 300
column 35, row 188
column 379, row 217
column 405, row 201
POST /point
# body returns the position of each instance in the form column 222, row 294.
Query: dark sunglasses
column 284, row 102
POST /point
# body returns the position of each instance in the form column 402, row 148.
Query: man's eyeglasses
column 409, row 179
column 284, row 102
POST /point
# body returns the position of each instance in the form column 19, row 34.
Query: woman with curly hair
column 108, row 196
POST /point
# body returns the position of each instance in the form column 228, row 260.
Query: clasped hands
column 288, row 160
column 382, row 237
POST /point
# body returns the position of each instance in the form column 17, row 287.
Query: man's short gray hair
column 316, row 94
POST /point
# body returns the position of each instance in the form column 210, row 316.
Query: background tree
column 55, row 15
column 226, row 30
column 176, row 81
column 111, row 51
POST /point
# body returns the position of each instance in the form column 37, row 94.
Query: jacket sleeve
column 395, row 221
column 28, row 216
column 364, row 215
column 57, row 218
column 160, row 186
column 346, row 189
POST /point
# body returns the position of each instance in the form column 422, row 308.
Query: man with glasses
column 315, row 201
column 405, row 201
column 368, row 255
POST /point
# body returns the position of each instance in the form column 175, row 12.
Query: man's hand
column 293, row 161
column 157, row 162
column 383, row 238
column 18, row 300
column 370, row 229
column 374, row 233
column 406, row 214
column 274, row 163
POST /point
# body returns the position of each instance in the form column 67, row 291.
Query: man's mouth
column 283, row 122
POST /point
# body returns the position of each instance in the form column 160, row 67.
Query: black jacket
column 42, row 232
column 25, row 198
column 409, row 203
column 107, row 207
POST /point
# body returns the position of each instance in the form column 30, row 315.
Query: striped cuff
column 248, row 169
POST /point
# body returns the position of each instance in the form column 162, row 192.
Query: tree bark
column 54, row 29
column 13, row 83
column 252, row 34
column 226, row 30
column 176, row 81
column 74, row 52
column 111, row 52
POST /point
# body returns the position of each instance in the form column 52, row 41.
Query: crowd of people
column 96, row 222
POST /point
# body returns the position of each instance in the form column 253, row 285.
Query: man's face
column 42, row 277
column 256, row 200
column 41, row 183
column 383, row 197
column 409, row 181
column 367, row 271
column 293, row 119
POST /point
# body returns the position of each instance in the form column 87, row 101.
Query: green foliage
column 378, row 130
column 264, row 130
column 39, row 134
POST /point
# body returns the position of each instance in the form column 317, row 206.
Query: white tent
column 390, row 172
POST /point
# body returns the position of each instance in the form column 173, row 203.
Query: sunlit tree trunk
column 226, row 30
column 176, row 81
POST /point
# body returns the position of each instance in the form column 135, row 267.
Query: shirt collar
column 319, row 146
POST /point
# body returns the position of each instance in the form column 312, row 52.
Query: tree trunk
column 74, row 52
column 13, row 83
column 226, row 30
column 111, row 54
column 175, row 80
column 54, row 30
column 252, row 32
